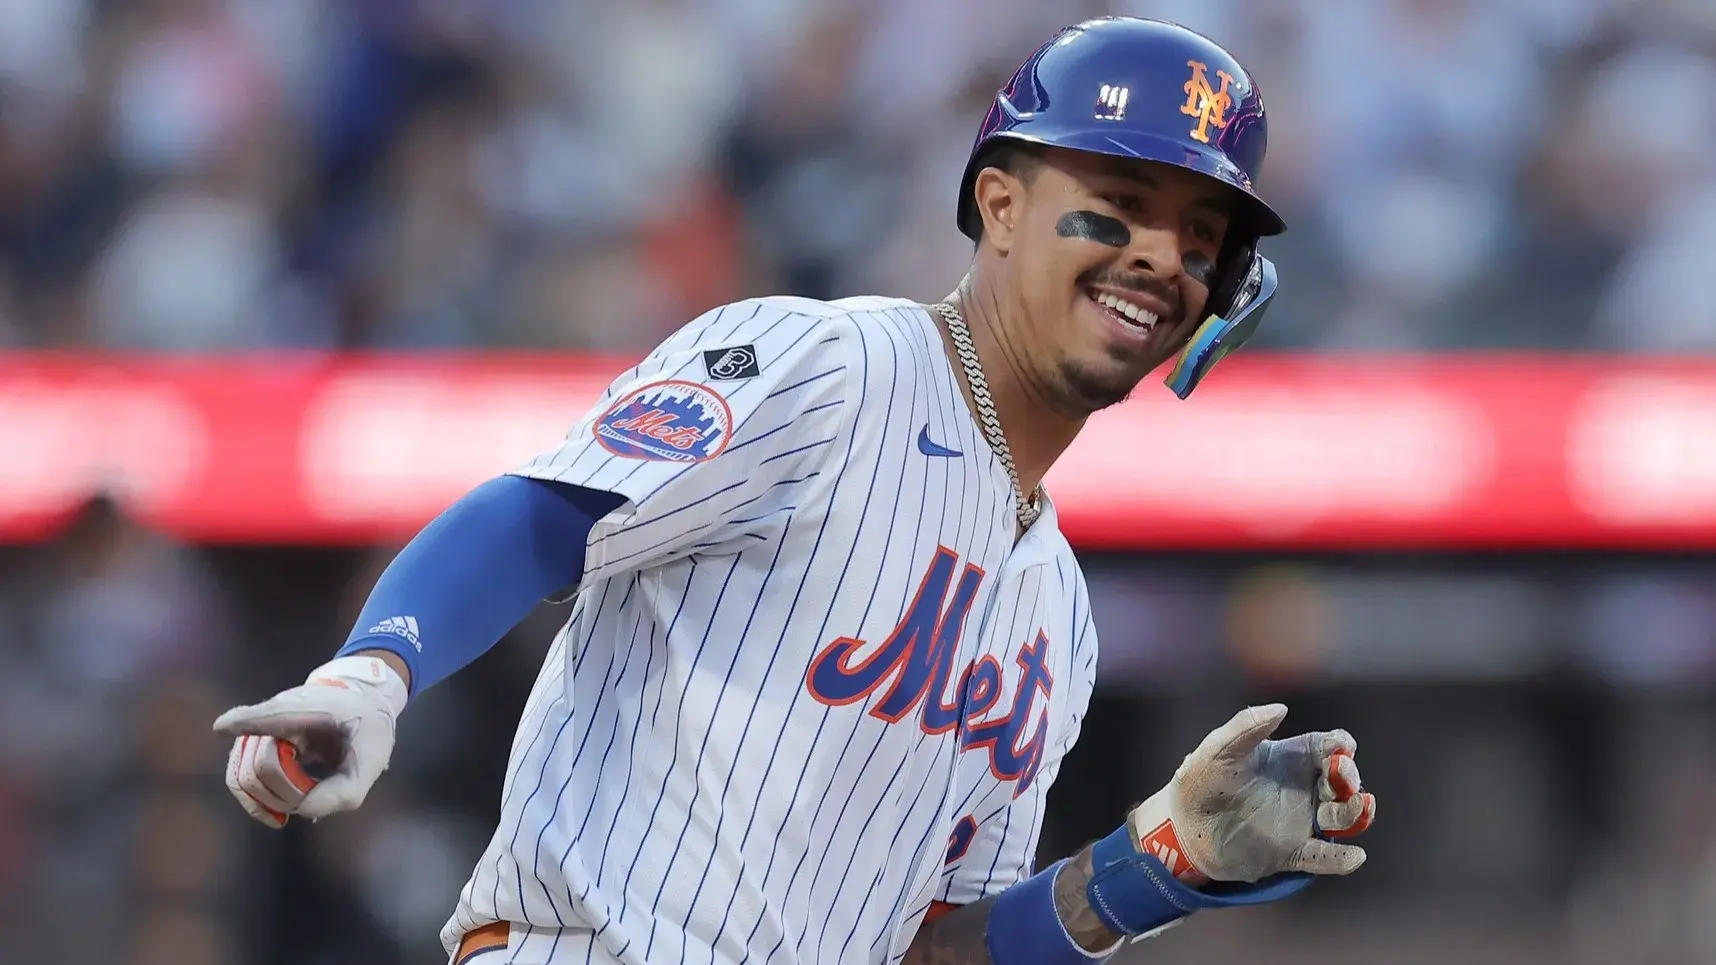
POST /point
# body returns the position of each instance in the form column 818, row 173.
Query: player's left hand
column 316, row 749
column 1242, row 807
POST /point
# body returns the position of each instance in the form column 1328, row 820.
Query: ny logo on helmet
column 1208, row 104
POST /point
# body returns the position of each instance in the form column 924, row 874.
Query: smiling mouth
column 1123, row 311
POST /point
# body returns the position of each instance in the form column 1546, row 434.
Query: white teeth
column 1144, row 319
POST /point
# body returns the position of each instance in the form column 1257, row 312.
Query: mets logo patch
column 669, row 421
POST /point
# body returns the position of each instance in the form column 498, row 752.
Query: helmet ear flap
column 1233, row 264
column 1242, row 293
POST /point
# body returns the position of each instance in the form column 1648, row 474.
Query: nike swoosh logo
column 929, row 448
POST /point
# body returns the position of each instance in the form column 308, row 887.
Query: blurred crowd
column 588, row 174
column 1541, row 732
column 195, row 175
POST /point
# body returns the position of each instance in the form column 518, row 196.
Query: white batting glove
column 316, row 749
column 1242, row 808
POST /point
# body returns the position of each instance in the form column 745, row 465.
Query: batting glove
column 316, row 749
column 1242, row 807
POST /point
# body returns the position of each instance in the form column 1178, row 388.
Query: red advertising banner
column 1273, row 452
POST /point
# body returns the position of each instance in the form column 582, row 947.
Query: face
column 1108, row 262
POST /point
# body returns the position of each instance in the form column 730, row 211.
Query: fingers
column 260, row 801
column 339, row 721
column 1328, row 743
column 1339, row 779
column 1319, row 857
column 366, row 759
column 1344, row 809
column 285, row 715
column 1241, row 735
column 342, row 792
column 278, row 768
column 1345, row 819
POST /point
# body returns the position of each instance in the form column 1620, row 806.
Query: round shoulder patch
column 669, row 421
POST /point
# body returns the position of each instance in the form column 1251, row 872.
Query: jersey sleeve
column 714, row 439
column 1002, row 850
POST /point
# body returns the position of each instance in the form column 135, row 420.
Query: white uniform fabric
column 809, row 684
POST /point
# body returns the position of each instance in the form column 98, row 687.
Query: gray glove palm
column 1242, row 807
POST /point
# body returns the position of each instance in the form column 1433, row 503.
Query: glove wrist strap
column 371, row 673
column 1135, row 894
column 1154, row 833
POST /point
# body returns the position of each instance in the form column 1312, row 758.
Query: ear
column 999, row 198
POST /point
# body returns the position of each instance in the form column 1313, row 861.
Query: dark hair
column 1021, row 159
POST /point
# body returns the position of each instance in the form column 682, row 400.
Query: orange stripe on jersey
column 938, row 909
column 489, row 938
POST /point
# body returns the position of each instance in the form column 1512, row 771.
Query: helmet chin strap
column 1217, row 337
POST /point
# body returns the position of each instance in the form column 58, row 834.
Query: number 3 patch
column 728, row 364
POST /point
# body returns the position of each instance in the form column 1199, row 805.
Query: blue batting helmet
column 1147, row 89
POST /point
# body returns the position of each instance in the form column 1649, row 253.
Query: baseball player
column 828, row 647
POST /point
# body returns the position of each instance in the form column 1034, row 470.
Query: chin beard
column 1089, row 392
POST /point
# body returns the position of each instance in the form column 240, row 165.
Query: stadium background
column 265, row 191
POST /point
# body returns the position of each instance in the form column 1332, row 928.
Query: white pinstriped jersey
column 809, row 683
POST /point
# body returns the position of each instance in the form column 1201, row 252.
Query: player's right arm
column 1246, row 820
column 706, row 446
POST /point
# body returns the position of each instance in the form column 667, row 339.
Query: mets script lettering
column 657, row 424
column 1208, row 104
column 916, row 663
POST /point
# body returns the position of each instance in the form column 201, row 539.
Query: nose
column 1156, row 252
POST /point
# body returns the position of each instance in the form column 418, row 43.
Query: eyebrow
column 1210, row 203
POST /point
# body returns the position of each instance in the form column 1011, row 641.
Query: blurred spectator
column 193, row 175
column 94, row 711
column 196, row 174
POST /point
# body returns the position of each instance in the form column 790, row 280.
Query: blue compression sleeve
column 477, row 570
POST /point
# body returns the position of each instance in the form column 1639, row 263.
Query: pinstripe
column 975, row 471
column 616, row 392
column 978, row 449
column 541, row 772
column 536, row 852
column 801, row 382
column 785, row 425
column 572, row 769
column 739, row 749
column 792, row 610
column 822, row 632
column 1006, row 822
column 532, row 706
column 917, row 344
column 677, row 732
column 691, row 359
column 804, row 448
column 738, row 430
column 858, row 722
column 643, row 694
column 917, row 852
column 548, row 758
column 655, row 547
column 921, row 360
column 810, row 826
column 528, row 932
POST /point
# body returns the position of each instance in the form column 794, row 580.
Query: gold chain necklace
column 1027, row 509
